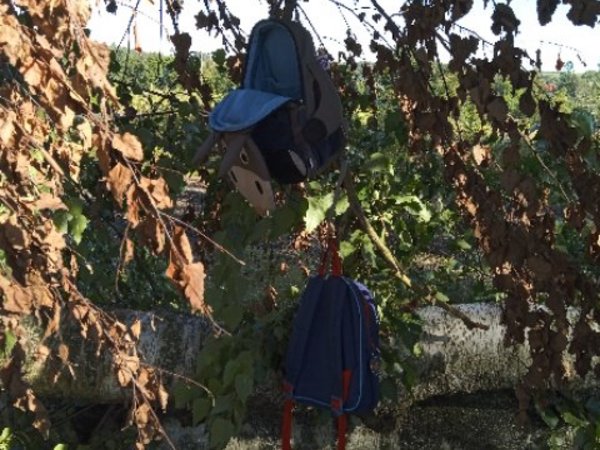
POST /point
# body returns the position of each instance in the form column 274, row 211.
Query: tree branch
column 426, row 292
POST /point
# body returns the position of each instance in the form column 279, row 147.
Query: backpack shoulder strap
column 337, row 302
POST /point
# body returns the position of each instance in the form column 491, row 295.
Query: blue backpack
column 285, row 120
column 333, row 356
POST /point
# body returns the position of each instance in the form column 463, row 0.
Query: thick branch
column 453, row 358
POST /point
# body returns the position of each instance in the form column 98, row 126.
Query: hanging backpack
column 333, row 356
column 285, row 120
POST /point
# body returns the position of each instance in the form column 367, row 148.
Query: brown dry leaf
column 174, row 267
column 54, row 323
column 143, row 377
column 142, row 414
column 10, row 37
column 129, row 250
column 136, row 38
column 504, row 19
column 53, row 241
column 527, row 103
column 49, row 201
column 182, row 243
column 35, row 74
column 136, row 328
column 541, row 268
column 85, row 133
column 63, row 353
column 283, row 267
column 67, row 117
column 15, row 234
column 545, row 10
column 163, row 397
column 41, row 293
column 497, row 109
column 124, row 377
column 481, row 154
column 119, row 179
column 41, row 353
column 16, row 299
column 584, row 12
column 7, row 128
column 153, row 233
column 159, row 190
column 42, row 419
column 133, row 206
column 193, row 282
column 129, row 146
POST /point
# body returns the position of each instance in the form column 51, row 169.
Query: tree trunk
column 453, row 358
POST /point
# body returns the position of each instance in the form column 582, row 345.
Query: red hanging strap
column 336, row 261
column 342, row 421
column 286, row 427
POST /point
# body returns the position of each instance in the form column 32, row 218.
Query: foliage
column 475, row 179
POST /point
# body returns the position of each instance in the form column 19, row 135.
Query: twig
column 218, row 246
column 131, row 19
column 181, row 377
column 470, row 324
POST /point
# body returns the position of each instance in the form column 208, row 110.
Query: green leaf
column 9, row 342
column 243, row 386
column 77, row 227
column 549, row 416
column 61, row 221
column 593, row 406
column 222, row 404
column 182, row 395
column 61, row 447
column 584, row 122
column 342, row 205
column 440, row 296
column 463, row 245
column 232, row 368
column 377, row 162
column 389, row 389
column 6, row 435
column 414, row 206
column 346, row 249
column 221, row 431
column 232, row 315
column 75, row 205
column 573, row 420
column 218, row 57
column 200, row 409
column 317, row 210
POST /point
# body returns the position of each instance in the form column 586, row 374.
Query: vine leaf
column 584, row 12
column 129, row 146
column 317, row 210
column 545, row 10
column 220, row 432
column 119, row 179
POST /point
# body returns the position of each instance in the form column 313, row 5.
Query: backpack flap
column 244, row 165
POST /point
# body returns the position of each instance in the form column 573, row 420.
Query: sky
column 577, row 44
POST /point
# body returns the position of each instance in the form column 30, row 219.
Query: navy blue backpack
column 333, row 356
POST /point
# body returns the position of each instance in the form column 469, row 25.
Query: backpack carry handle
column 336, row 260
